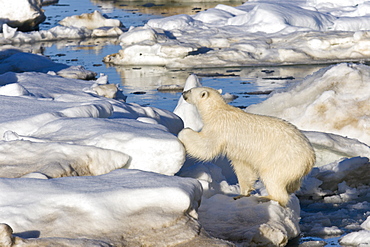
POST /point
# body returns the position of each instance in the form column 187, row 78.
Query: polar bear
column 257, row 146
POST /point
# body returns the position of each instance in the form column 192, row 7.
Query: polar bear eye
column 203, row 94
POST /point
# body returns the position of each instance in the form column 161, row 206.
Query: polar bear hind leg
column 277, row 193
column 279, row 188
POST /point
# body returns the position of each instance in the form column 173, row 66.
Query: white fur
column 257, row 146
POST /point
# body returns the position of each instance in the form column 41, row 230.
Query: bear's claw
column 240, row 196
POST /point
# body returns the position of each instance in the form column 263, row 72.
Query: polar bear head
column 203, row 96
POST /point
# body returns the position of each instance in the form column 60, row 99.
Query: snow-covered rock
column 23, row 14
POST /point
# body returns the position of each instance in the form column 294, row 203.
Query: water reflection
column 250, row 84
column 163, row 8
column 96, row 45
column 150, row 78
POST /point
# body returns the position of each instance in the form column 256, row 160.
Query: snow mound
column 322, row 102
column 277, row 17
column 77, row 72
column 188, row 112
column 360, row 238
column 11, row 36
column 248, row 221
column 13, row 89
column 91, row 21
column 63, row 115
column 150, row 146
column 136, row 207
column 17, row 61
column 330, row 147
column 22, row 14
column 59, row 159
column 330, row 176
column 366, row 224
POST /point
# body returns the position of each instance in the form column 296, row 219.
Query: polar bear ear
column 219, row 91
column 204, row 94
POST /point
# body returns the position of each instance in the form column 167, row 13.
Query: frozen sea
column 327, row 213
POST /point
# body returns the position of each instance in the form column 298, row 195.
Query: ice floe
column 333, row 100
column 255, row 33
column 91, row 21
column 122, row 208
column 28, row 14
column 52, row 127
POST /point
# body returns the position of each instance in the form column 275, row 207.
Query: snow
column 159, row 209
column 61, row 112
column 15, row 60
column 263, row 33
column 59, row 127
column 27, row 17
column 91, row 21
column 188, row 112
column 230, row 219
column 312, row 102
column 11, row 36
column 360, row 238
column 91, row 25
column 74, row 153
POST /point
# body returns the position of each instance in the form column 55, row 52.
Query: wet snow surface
column 76, row 149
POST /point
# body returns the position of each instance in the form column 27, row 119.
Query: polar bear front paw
column 184, row 133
